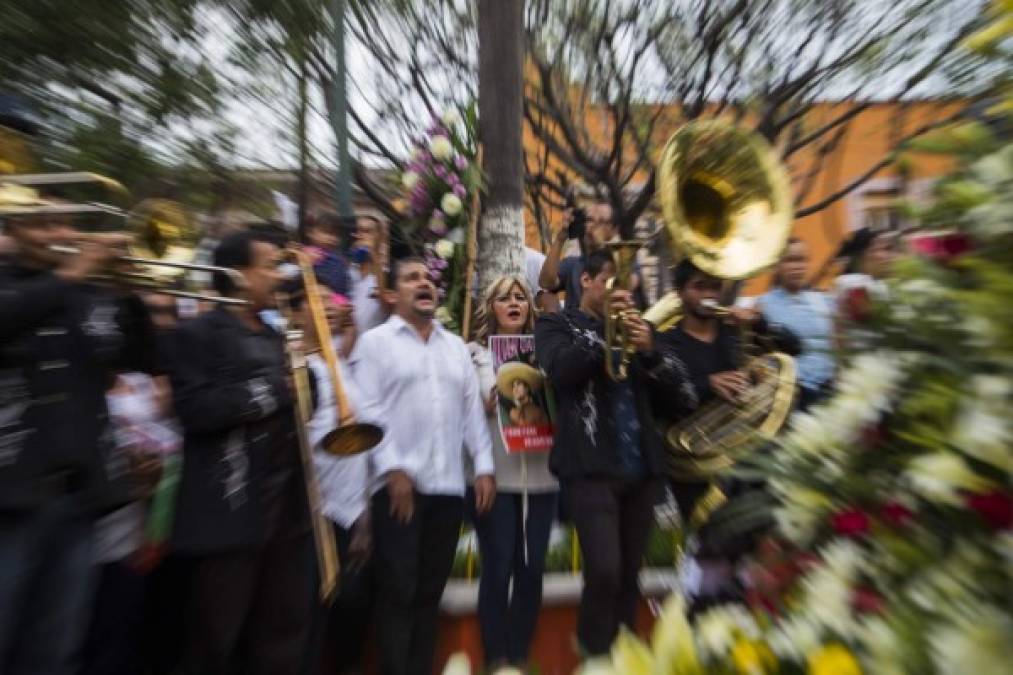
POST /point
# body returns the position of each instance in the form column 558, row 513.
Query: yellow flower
column 752, row 657
column 630, row 655
column 833, row 659
column 672, row 640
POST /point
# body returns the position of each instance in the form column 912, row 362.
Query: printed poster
column 524, row 410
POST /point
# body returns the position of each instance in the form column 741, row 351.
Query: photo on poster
column 524, row 412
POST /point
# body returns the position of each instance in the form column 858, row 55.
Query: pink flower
column 941, row 247
column 460, row 191
column 461, row 163
column 857, row 304
column 850, row 523
column 867, row 600
column 995, row 508
column 896, row 514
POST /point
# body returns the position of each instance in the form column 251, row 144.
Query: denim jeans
column 46, row 579
column 508, row 617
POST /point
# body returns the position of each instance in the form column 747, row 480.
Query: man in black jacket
column 607, row 451
column 61, row 341
column 242, row 515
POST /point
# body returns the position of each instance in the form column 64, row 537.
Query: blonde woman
column 514, row 535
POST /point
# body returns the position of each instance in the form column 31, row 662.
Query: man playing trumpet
column 607, row 453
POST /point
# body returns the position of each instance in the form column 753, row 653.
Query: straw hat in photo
column 513, row 371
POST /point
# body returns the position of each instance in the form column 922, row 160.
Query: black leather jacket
column 61, row 344
column 569, row 348
column 242, row 475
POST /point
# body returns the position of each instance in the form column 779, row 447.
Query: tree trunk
column 302, row 110
column 500, row 105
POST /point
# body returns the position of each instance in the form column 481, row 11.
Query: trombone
column 139, row 281
column 348, row 438
column 158, row 228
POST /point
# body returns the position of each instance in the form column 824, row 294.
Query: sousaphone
column 727, row 206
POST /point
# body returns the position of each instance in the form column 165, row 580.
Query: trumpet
column 618, row 350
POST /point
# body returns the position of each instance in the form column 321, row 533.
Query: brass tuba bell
column 726, row 202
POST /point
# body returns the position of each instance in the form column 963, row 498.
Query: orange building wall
column 868, row 139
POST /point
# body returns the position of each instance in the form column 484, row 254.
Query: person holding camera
column 592, row 228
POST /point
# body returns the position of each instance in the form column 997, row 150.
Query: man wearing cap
column 62, row 339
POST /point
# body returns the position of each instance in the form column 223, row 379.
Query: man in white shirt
column 416, row 380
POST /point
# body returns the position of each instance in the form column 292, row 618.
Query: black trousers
column 412, row 564
column 613, row 518
column 345, row 624
column 113, row 642
column 250, row 610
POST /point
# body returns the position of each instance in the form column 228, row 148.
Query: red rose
column 942, row 247
column 867, row 600
column 873, row 436
column 896, row 514
column 850, row 523
column 995, row 508
column 857, row 304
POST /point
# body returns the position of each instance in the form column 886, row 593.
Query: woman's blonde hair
column 485, row 315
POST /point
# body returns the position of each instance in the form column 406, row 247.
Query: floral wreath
column 443, row 179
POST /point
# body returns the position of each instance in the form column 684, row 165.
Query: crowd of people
column 153, row 506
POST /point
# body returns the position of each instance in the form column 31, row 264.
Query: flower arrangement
column 442, row 179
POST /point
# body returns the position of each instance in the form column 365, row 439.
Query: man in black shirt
column 242, row 516
column 606, row 452
column 710, row 348
column 62, row 339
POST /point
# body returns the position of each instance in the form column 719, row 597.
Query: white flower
column 795, row 638
column 451, row 204
column 843, row 558
column 440, row 147
column 443, row 315
column 444, row 249
column 601, row 665
column 718, row 628
column 451, row 118
column 456, row 235
column 938, row 477
column 977, row 643
column 796, row 525
column 827, row 599
column 458, row 664
column 409, row 179
column 883, row 645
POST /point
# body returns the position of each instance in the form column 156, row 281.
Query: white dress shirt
column 344, row 492
column 425, row 395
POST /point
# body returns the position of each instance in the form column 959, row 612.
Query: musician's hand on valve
column 620, row 300
column 402, row 496
column 639, row 331
column 485, row 493
column 729, row 385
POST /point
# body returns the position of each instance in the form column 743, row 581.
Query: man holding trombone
column 243, row 516
column 61, row 340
